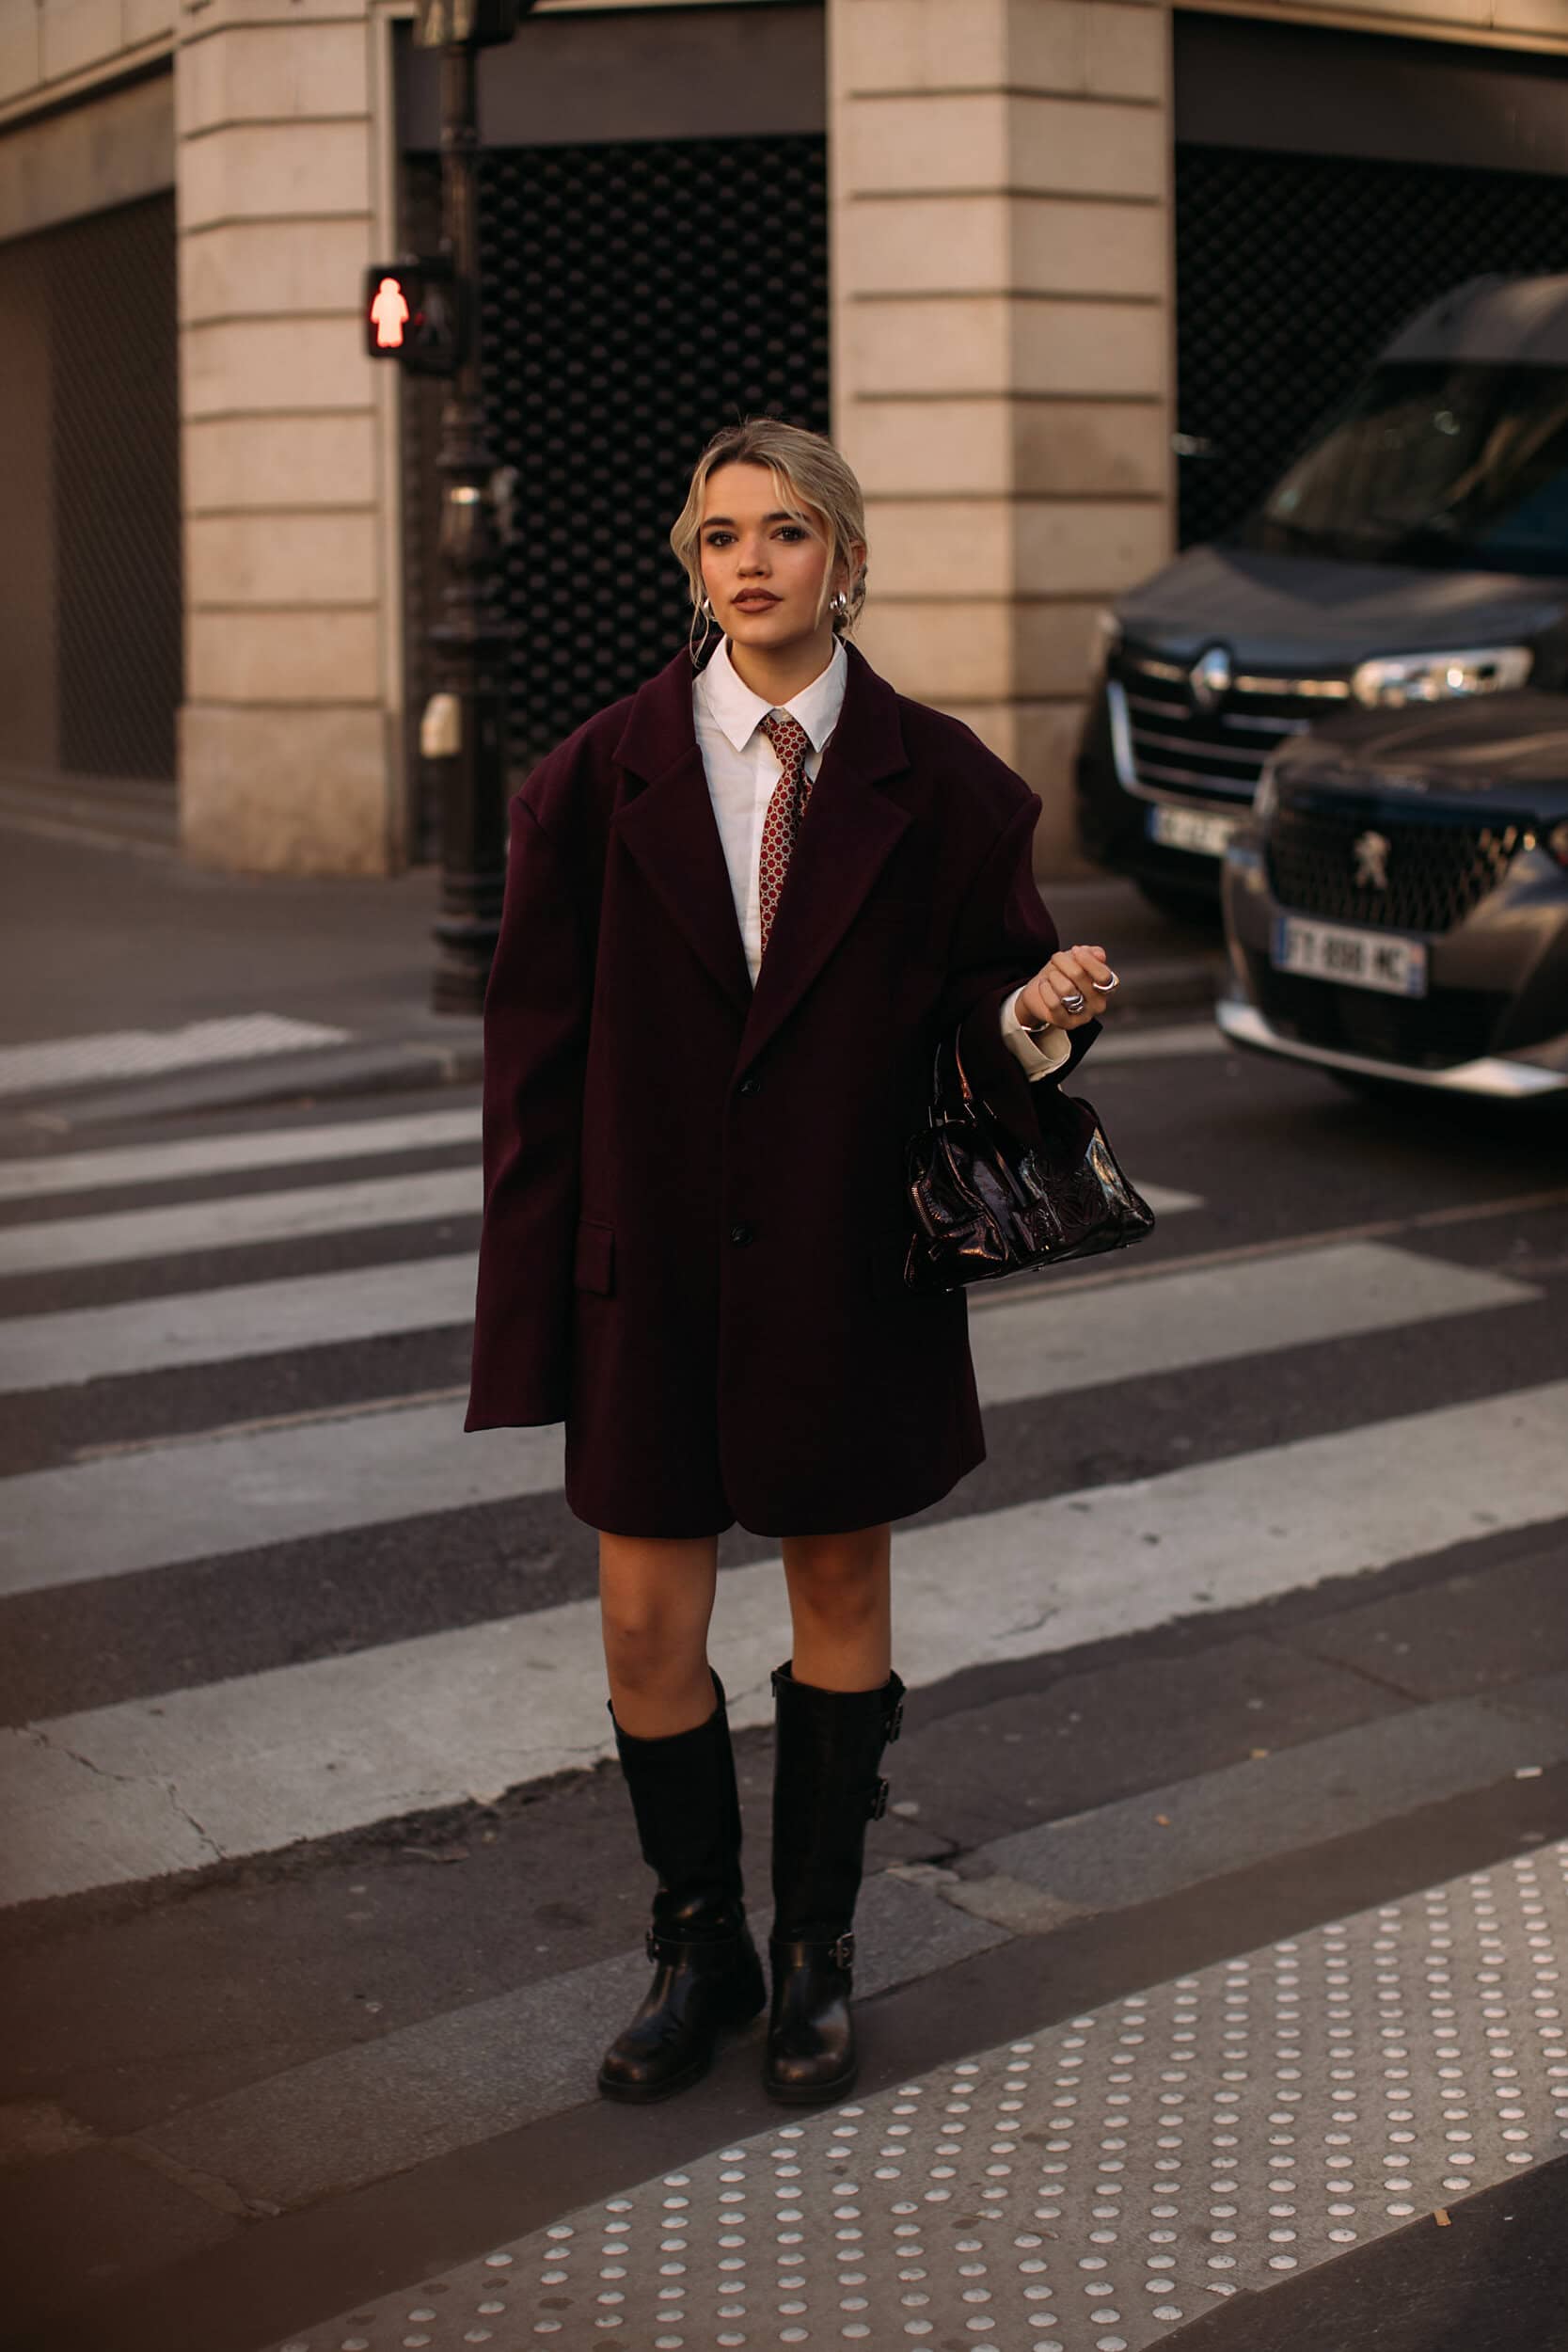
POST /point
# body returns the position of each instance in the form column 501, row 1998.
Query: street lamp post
column 465, row 727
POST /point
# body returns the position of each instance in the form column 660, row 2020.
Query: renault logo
column 1209, row 679
column 1372, row 861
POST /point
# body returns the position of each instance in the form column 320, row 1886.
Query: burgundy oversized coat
column 694, row 1215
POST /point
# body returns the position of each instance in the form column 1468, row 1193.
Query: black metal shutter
column 637, row 296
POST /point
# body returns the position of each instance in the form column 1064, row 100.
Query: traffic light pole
column 471, row 637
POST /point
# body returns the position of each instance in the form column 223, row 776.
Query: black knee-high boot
column 706, row 1971
column 826, row 1787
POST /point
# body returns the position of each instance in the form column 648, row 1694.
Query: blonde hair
column 808, row 472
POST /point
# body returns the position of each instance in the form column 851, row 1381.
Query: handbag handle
column 937, row 1108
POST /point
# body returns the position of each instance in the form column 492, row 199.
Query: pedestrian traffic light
column 472, row 24
column 414, row 312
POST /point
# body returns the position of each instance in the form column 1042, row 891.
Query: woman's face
column 762, row 571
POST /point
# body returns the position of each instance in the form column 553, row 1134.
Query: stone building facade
column 999, row 294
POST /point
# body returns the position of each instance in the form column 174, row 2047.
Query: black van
column 1416, row 552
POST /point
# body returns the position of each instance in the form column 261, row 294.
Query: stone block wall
column 1002, row 379
column 1002, row 333
column 287, row 752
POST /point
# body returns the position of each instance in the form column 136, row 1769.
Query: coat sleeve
column 536, row 1009
column 1002, row 937
column 1038, row 1059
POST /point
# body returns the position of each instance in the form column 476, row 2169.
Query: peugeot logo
column 1209, row 679
column 1372, row 861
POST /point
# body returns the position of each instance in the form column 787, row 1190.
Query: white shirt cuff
column 1038, row 1059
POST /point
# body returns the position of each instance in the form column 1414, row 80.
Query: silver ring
column 1074, row 1003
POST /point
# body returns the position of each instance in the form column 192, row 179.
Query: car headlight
column 1557, row 843
column 1394, row 679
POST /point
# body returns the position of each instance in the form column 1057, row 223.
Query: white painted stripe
column 201, row 1495
column 191, row 1227
column 69, row 1061
column 1165, row 1200
column 228, row 1325
column 1165, row 1321
column 117, row 1793
column 1033, row 1346
column 232, row 1494
column 225, row 1155
column 257, row 1216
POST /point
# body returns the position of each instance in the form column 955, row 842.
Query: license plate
column 1196, row 828
column 1330, row 951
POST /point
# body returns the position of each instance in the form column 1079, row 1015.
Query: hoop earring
column 697, row 650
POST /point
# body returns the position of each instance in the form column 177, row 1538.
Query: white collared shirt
column 743, row 770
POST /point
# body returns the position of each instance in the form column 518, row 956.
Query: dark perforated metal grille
column 1438, row 872
column 1292, row 271
column 1212, row 754
column 637, row 297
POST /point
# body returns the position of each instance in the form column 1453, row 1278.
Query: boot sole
column 646, row 2095
column 810, row 2094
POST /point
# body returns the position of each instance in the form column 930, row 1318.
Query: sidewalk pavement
column 1113, row 2181
column 100, row 941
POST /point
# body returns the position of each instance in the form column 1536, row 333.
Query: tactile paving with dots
column 1092, row 2188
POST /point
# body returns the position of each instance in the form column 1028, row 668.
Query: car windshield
column 1436, row 463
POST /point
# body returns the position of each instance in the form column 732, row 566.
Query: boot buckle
column 650, row 1945
column 842, row 1953
column 879, row 1801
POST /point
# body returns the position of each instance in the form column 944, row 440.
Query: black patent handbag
column 987, row 1205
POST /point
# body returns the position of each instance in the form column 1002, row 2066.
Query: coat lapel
column 669, row 828
column 848, row 834
column 850, row 831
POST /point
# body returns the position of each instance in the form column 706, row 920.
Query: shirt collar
column 735, row 710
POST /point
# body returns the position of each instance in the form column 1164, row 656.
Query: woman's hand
column 1072, row 988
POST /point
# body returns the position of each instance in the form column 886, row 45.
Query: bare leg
column 841, row 1605
column 656, row 1599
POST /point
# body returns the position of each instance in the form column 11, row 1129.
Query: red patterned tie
column 786, row 810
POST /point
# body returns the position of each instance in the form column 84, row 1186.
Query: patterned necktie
column 786, row 810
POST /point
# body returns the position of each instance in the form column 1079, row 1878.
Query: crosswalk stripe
column 1169, row 1321
column 1035, row 1346
column 186, row 1229
column 196, row 1497
column 246, row 1319
column 134, row 1164
column 66, row 1062
column 250, row 1764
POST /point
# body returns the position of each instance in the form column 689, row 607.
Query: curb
column 399, row 1065
column 415, row 1064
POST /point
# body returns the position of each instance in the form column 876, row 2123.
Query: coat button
column 750, row 1084
column 740, row 1234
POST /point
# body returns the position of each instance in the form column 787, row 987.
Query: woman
column 740, row 907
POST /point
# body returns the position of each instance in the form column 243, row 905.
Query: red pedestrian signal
column 414, row 313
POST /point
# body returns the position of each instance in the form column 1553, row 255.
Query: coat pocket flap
column 595, row 1269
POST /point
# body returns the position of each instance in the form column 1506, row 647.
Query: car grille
column 1425, row 1033
column 1323, row 857
column 1169, row 746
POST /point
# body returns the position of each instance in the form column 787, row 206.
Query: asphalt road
column 319, row 1896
